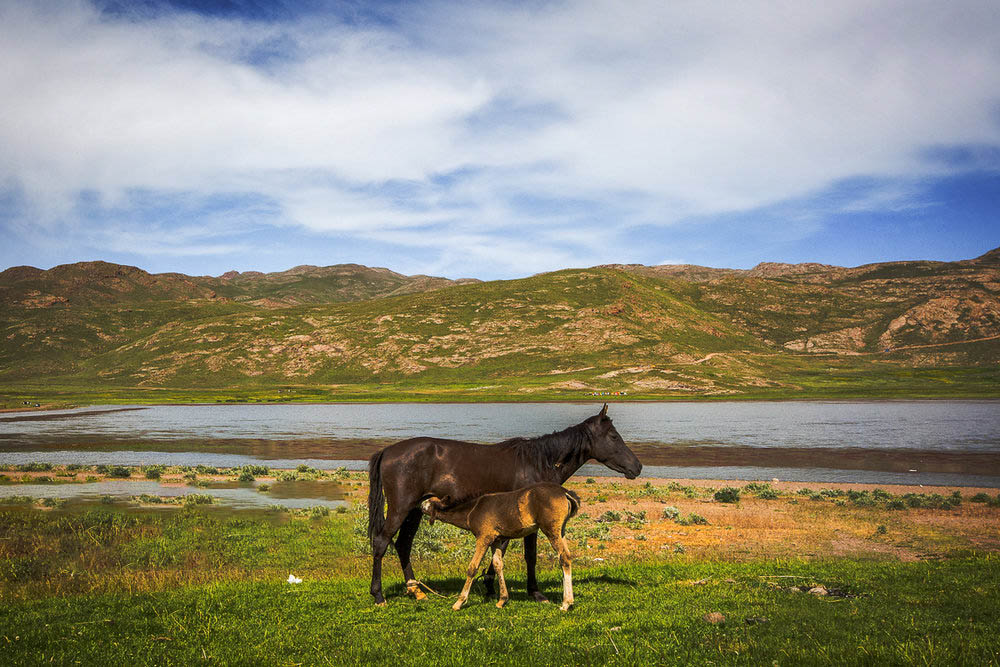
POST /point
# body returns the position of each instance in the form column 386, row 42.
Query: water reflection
column 235, row 495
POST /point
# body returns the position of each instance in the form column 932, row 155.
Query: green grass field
column 129, row 583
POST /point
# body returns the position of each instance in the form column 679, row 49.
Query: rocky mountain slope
column 647, row 330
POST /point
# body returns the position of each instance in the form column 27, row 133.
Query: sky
column 497, row 139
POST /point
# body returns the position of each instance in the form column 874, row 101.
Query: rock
column 819, row 590
column 715, row 618
column 794, row 589
column 730, row 581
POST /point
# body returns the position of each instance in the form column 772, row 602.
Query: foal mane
column 544, row 451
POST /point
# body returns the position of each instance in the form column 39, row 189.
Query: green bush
column 153, row 471
column 980, row 498
column 728, row 494
column 121, row 472
column 692, row 520
column 35, row 467
column 246, row 476
column 671, row 512
column 609, row 517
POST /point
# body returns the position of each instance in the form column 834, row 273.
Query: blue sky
column 496, row 139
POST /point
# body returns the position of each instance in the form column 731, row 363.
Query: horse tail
column 574, row 507
column 376, row 497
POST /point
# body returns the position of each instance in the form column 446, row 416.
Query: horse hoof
column 565, row 606
column 538, row 597
column 501, row 603
column 381, row 604
column 419, row 595
column 456, row 606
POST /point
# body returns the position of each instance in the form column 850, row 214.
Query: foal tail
column 574, row 507
column 376, row 497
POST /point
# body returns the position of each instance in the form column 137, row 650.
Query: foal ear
column 604, row 411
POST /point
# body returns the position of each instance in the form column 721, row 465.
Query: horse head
column 608, row 447
column 431, row 506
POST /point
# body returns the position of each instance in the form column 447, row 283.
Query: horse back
column 416, row 468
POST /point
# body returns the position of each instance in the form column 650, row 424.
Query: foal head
column 609, row 448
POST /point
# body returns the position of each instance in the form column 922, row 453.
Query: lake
column 906, row 442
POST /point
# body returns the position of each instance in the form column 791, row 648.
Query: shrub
column 107, row 500
column 980, row 498
column 692, row 519
column 35, row 467
column 43, row 479
column 804, row 492
column 198, row 499
column 609, row 517
column 246, row 476
column 896, row 504
column 121, row 472
column 73, row 466
column 591, row 480
column 319, row 511
column 671, row 512
column 881, row 530
column 205, row 470
column 263, row 488
column 956, row 498
column 154, row 471
column 728, row 494
column 994, row 502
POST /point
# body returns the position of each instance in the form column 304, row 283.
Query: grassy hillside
column 898, row 329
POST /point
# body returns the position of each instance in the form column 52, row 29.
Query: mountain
column 661, row 330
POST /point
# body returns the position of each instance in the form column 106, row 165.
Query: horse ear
column 604, row 411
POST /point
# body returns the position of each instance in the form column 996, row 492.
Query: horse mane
column 544, row 451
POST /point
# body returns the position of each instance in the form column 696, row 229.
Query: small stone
column 819, row 590
column 774, row 480
column 715, row 618
column 700, row 582
column 615, row 629
column 794, row 589
column 730, row 581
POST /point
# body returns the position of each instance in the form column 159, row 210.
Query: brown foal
column 497, row 517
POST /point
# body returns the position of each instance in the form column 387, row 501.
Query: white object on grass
column 292, row 579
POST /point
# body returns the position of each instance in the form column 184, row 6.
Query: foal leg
column 498, row 566
column 380, row 542
column 481, row 546
column 559, row 544
column 404, row 544
column 530, row 555
column 491, row 572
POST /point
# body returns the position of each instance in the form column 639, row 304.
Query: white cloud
column 636, row 114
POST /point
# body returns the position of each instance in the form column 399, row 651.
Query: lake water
column 916, row 442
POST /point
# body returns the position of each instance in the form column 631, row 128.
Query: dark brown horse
column 404, row 474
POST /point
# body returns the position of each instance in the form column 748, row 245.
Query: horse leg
column 559, row 544
column 491, row 572
column 482, row 544
column 530, row 556
column 404, row 544
column 380, row 542
column 498, row 566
